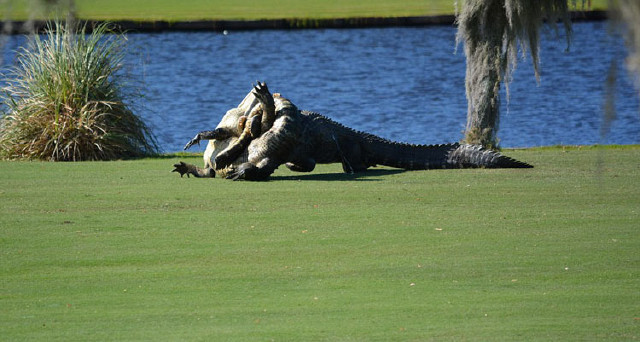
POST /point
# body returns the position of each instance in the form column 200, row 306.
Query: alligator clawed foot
column 235, row 176
column 241, row 172
column 195, row 140
column 222, row 160
column 182, row 168
column 261, row 91
column 249, row 172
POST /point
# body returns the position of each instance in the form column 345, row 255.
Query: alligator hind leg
column 306, row 165
column 351, row 157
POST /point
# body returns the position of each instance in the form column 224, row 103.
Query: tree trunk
column 485, row 61
column 493, row 31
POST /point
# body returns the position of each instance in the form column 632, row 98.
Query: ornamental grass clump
column 64, row 100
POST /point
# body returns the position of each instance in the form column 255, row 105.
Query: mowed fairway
column 127, row 250
column 185, row 10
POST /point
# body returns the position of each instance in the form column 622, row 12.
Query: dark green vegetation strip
column 217, row 15
column 187, row 10
column 194, row 10
column 129, row 251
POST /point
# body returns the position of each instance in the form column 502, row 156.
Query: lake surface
column 404, row 84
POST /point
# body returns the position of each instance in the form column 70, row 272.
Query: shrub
column 64, row 100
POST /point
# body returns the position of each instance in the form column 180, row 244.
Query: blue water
column 404, row 84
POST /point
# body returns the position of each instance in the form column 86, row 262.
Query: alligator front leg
column 218, row 134
column 234, row 150
column 249, row 171
column 189, row 169
column 261, row 92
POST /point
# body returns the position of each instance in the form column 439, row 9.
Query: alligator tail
column 465, row 156
column 445, row 156
column 380, row 151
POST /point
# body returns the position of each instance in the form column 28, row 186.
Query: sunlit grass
column 127, row 250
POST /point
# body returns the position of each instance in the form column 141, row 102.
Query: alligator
column 255, row 138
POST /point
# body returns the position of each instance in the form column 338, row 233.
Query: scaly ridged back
column 381, row 151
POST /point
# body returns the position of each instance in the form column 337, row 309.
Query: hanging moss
column 493, row 33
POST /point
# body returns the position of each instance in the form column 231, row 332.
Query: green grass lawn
column 253, row 9
column 127, row 250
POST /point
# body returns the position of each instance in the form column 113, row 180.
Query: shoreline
column 132, row 26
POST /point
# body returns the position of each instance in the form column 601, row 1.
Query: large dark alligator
column 240, row 149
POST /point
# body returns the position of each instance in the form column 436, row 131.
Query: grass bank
column 129, row 251
column 187, row 10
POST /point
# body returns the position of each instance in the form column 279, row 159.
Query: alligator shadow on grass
column 360, row 176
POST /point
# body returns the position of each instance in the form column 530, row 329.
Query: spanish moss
column 493, row 33
column 627, row 13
